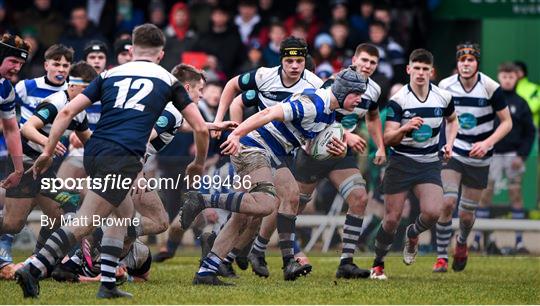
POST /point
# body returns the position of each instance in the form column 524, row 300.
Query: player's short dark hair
column 187, row 74
column 508, row 67
column 368, row 48
column 55, row 52
column 84, row 71
column 148, row 35
column 421, row 56
column 522, row 66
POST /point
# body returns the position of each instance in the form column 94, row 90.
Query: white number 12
column 144, row 87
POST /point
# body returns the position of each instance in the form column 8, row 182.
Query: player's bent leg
column 154, row 217
column 468, row 204
column 385, row 236
column 14, row 215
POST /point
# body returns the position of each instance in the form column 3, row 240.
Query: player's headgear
column 8, row 47
column 95, row 46
column 348, row 81
column 293, row 47
column 468, row 49
column 122, row 45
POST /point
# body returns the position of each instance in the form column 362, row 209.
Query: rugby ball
column 318, row 149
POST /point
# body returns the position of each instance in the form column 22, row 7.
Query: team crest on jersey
column 162, row 121
column 438, row 112
column 44, row 113
column 467, row 121
column 408, row 114
column 245, row 79
column 250, row 94
column 423, row 133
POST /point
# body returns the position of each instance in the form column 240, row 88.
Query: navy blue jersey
column 132, row 97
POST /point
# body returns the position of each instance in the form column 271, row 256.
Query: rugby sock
column 383, row 243
column 518, row 213
column 232, row 255
column 44, row 234
column 418, row 227
column 228, row 201
column 351, row 234
column 286, row 230
column 259, row 246
column 296, row 249
column 172, row 246
column 209, row 265
column 481, row 213
column 373, row 223
column 56, row 247
column 111, row 249
column 444, row 234
column 464, row 231
column 6, row 241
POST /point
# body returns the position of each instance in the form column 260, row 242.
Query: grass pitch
column 486, row 280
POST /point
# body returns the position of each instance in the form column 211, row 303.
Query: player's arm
column 237, row 109
column 193, row 116
column 30, row 130
column 452, row 127
column 479, row 149
column 374, row 125
column 84, row 135
column 393, row 130
column 211, row 126
column 231, row 145
column 14, row 147
column 231, row 90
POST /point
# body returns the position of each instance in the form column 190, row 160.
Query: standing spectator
column 247, row 20
column 34, row 63
column 512, row 151
column 271, row 54
column 222, row 41
column 200, row 11
column 344, row 47
column 254, row 57
column 48, row 22
column 340, row 13
column 80, row 32
column 128, row 16
column 361, row 21
column 156, row 14
column 305, row 12
column 180, row 37
column 324, row 53
column 528, row 91
column 392, row 59
column 102, row 13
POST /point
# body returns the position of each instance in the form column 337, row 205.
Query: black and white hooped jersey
column 349, row 120
column 132, row 97
column 46, row 111
column 7, row 99
column 306, row 114
column 166, row 126
column 264, row 88
column 421, row 145
column 32, row 91
column 476, row 111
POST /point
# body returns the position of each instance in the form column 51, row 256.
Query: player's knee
column 12, row 225
column 357, row 199
column 391, row 223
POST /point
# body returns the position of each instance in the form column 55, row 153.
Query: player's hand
column 447, row 152
column 216, row 134
column 337, row 147
column 355, row 142
column 517, row 163
column 479, row 149
column 413, row 124
column 210, row 215
column 60, row 149
column 12, row 180
column 231, row 146
column 380, row 157
column 225, row 125
column 75, row 141
column 42, row 163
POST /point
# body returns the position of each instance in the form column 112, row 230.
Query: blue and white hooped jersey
column 264, row 88
column 93, row 112
column 31, row 92
column 7, row 99
column 421, row 145
column 132, row 97
column 349, row 120
column 166, row 126
column 476, row 111
column 306, row 114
